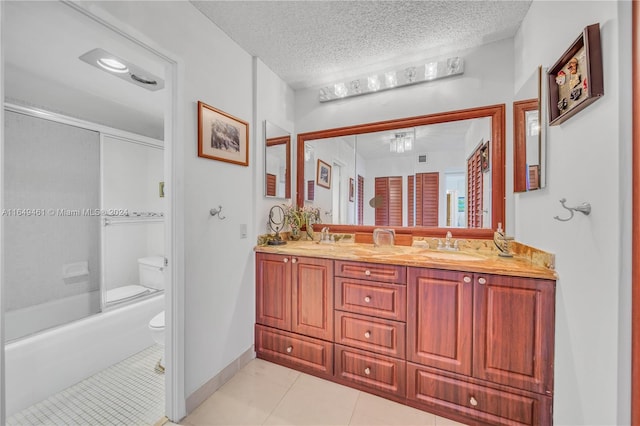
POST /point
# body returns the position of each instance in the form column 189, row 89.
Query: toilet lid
column 157, row 321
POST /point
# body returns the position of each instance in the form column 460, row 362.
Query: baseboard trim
column 205, row 391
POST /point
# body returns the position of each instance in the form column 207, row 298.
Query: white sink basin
column 451, row 255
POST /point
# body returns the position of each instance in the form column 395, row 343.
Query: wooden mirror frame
column 520, row 171
column 497, row 115
column 286, row 141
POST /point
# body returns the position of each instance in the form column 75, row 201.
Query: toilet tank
column 150, row 271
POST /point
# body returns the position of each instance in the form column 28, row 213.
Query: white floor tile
column 247, row 399
column 128, row 393
column 371, row 410
column 313, row 401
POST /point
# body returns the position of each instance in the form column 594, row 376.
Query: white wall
column 588, row 160
column 219, row 278
column 487, row 80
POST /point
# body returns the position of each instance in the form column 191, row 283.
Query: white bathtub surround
column 48, row 362
column 128, row 393
column 23, row 322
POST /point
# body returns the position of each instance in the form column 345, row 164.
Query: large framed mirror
column 529, row 172
column 422, row 175
column 277, row 162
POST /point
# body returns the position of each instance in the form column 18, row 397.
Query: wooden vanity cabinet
column 474, row 347
column 294, row 311
column 482, row 343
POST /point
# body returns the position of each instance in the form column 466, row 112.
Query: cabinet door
column 439, row 332
column 312, row 297
column 514, row 331
column 273, row 290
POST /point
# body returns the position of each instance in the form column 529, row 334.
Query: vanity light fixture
column 378, row 82
column 123, row 69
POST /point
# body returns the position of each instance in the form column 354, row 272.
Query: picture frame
column 323, row 174
column 575, row 80
column 222, row 136
column 352, row 189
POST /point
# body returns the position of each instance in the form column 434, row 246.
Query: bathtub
column 43, row 364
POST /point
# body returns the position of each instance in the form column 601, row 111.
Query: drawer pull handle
column 482, row 280
column 285, row 260
column 467, row 279
column 367, row 371
column 367, row 272
column 294, row 260
column 289, row 349
column 367, row 334
column 473, row 402
column 367, row 299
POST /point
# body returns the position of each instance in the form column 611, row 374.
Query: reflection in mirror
column 329, row 190
column 529, row 136
column 277, row 162
column 442, row 171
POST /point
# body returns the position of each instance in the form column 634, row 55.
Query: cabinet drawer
column 431, row 389
column 377, row 372
column 376, row 299
column 373, row 334
column 371, row 271
column 309, row 354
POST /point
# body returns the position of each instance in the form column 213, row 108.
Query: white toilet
column 151, row 272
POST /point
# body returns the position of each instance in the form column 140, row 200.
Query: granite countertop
column 527, row 262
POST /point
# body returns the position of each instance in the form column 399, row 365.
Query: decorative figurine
column 561, row 78
column 562, row 104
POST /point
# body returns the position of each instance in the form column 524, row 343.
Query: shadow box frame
column 590, row 40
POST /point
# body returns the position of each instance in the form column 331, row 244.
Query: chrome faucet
column 501, row 241
column 448, row 244
column 324, row 235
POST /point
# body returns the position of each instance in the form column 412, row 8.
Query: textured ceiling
column 308, row 43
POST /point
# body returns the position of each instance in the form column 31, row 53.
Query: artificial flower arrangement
column 298, row 217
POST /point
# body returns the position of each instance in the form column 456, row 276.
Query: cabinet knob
column 367, row 272
column 473, row 402
column 367, row 371
column 367, row 299
column 367, row 334
column 294, row 260
column 482, row 280
column 285, row 260
column 289, row 349
column 467, row 279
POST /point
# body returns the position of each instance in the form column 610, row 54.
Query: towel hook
column 217, row 212
column 584, row 208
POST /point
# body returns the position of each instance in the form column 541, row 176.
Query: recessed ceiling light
column 123, row 69
column 112, row 65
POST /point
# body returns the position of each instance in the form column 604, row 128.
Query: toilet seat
column 157, row 322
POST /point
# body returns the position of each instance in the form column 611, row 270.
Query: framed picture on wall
column 323, row 174
column 222, row 136
column 575, row 80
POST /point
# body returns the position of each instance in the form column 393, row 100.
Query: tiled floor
column 129, row 393
column 263, row 393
